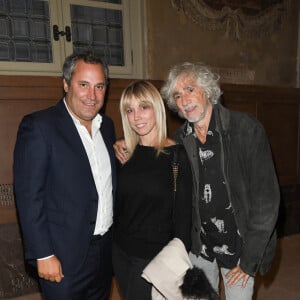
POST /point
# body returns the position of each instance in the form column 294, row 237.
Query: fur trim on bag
column 196, row 286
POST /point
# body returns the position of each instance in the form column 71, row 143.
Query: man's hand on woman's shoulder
column 121, row 150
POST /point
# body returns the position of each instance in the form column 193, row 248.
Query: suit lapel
column 69, row 130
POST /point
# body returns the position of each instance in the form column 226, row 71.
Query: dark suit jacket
column 55, row 192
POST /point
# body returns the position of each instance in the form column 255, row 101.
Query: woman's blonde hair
column 144, row 92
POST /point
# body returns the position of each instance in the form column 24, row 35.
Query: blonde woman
column 147, row 214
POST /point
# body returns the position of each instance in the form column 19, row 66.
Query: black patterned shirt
column 219, row 235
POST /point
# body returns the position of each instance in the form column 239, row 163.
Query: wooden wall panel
column 278, row 111
column 8, row 213
column 240, row 98
column 282, row 126
column 11, row 113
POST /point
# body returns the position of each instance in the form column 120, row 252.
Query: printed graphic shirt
column 219, row 233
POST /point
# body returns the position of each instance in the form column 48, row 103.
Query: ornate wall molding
column 235, row 75
column 6, row 195
column 234, row 21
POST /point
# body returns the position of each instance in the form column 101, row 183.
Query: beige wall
column 172, row 37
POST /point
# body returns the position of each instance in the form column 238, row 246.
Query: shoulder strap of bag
column 175, row 169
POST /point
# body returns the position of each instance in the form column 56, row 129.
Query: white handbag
column 166, row 271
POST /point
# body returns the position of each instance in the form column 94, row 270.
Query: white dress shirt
column 101, row 169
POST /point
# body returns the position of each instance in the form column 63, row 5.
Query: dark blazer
column 56, row 196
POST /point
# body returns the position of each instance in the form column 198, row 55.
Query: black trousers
column 92, row 282
column 128, row 271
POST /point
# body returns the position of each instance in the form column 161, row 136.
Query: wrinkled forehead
column 183, row 81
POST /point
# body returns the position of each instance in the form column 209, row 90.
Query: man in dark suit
column 64, row 179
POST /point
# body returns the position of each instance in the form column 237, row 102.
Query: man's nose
column 92, row 93
column 185, row 99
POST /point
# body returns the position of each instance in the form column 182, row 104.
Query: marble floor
column 283, row 280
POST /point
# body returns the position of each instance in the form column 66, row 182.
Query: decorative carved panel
column 242, row 19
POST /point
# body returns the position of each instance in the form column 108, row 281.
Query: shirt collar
column 189, row 128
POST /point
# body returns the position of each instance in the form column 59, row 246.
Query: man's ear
column 66, row 87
